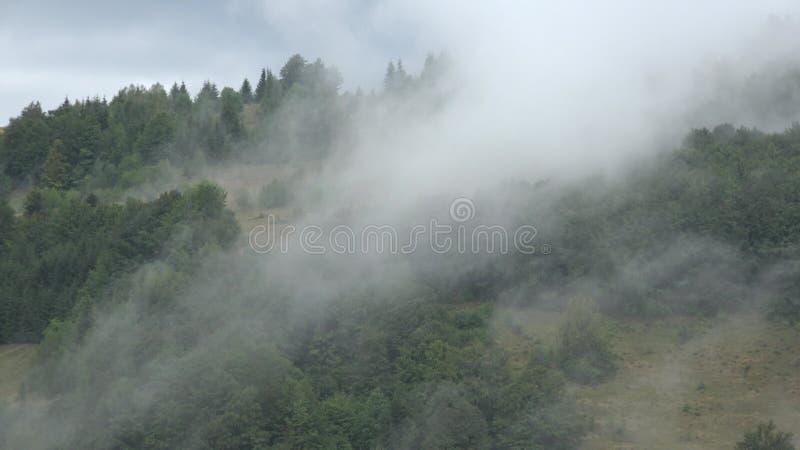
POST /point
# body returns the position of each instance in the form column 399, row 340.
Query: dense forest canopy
column 156, row 331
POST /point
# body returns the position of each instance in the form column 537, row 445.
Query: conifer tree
column 261, row 87
column 389, row 78
column 55, row 170
column 246, row 92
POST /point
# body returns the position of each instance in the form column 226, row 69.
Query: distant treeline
column 712, row 225
column 94, row 143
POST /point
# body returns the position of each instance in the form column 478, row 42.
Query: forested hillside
column 159, row 328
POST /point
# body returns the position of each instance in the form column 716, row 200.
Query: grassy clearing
column 682, row 382
column 251, row 177
column 15, row 360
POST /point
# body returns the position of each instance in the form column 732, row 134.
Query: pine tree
column 391, row 75
column 272, row 93
column 261, row 87
column 401, row 72
column 431, row 70
column 273, row 88
column 181, row 101
column 55, row 170
column 246, row 92
column 26, row 140
column 401, row 78
column 156, row 134
column 232, row 105
column 209, row 91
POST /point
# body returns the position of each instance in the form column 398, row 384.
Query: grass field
column 15, row 359
column 683, row 382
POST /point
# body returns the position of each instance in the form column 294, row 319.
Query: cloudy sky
column 54, row 49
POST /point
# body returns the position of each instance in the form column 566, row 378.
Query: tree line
column 95, row 143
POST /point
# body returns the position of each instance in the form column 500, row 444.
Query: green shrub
column 766, row 437
column 582, row 351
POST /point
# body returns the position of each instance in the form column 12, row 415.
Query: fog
column 540, row 94
column 544, row 91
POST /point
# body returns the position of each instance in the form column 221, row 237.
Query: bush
column 555, row 427
column 583, row 353
column 766, row 437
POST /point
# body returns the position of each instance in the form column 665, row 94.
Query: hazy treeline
column 93, row 144
column 154, row 334
column 708, row 226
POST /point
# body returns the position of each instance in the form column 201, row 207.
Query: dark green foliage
column 232, row 105
column 26, row 141
column 554, row 426
column 55, row 169
column 93, row 144
column 6, row 223
column 261, row 87
column 5, row 180
column 181, row 100
column 766, row 437
column 690, row 233
column 447, row 421
column 448, row 383
column 350, row 373
column 292, row 71
column 271, row 99
column 152, row 336
column 134, row 107
column 246, row 91
column 64, row 246
column 158, row 131
column 208, row 93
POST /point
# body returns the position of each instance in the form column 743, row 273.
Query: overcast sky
column 54, row 49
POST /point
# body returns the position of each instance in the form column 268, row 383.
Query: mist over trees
column 95, row 143
column 155, row 332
